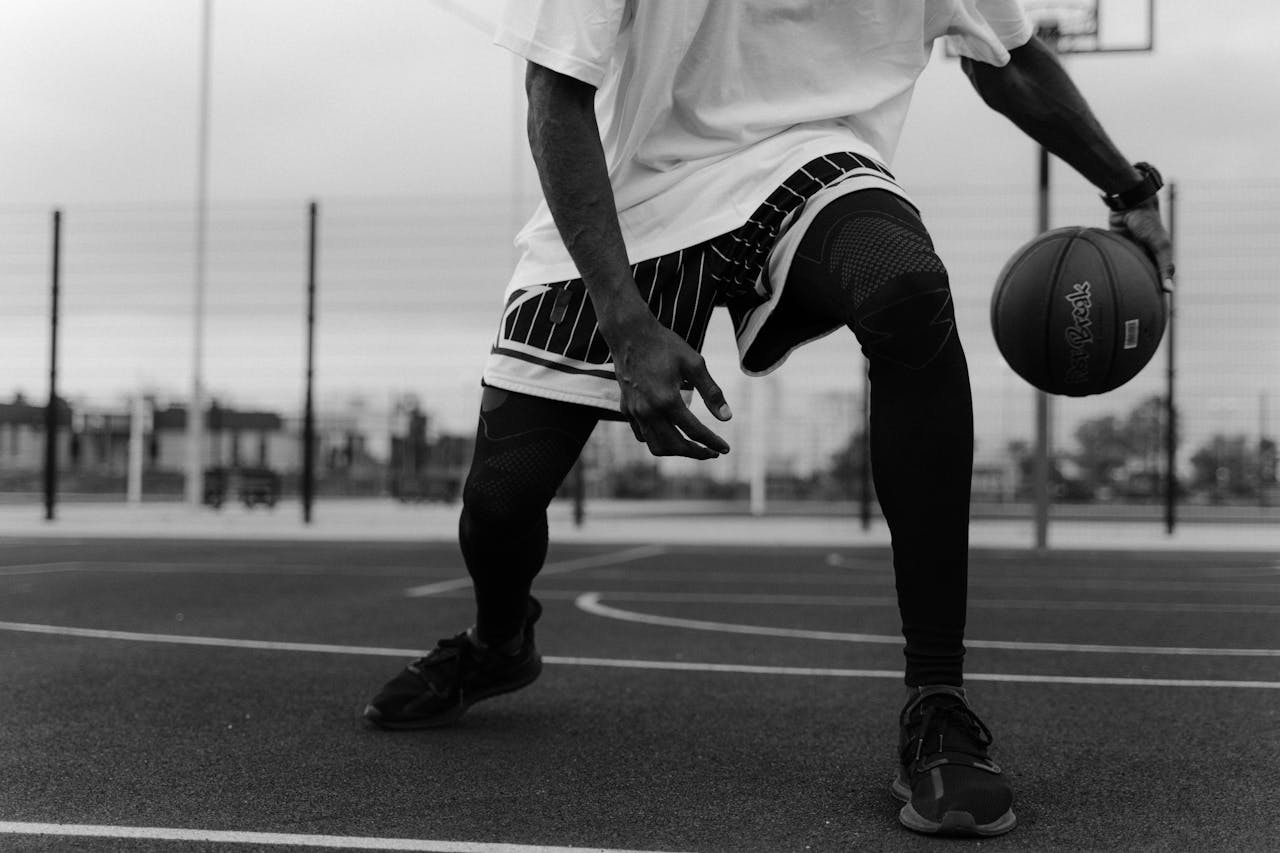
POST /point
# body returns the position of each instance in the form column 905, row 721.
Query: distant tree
column 1145, row 430
column 1225, row 467
column 1024, row 462
column 1267, row 463
column 1109, row 445
column 1061, row 487
column 1104, row 448
column 846, row 465
column 636, row 480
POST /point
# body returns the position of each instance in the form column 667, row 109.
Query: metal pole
column 137, row 441
column 756, row 450
column 1171, row 410
column 308, row 417
column 1264, row 401
column 864, row 474
column 51, row 410
column 195, row 416
column 519, row 152
column 1043, row 414
column 579, row 491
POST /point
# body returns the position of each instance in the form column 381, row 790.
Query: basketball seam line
column 1051, row 293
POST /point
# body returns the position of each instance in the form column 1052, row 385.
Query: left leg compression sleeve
column 867, row 261
column 524, row 448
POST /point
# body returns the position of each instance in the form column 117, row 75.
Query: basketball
column 1078, row 311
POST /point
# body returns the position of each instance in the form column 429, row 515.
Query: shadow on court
column 694, row 698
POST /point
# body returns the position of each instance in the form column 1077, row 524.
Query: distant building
column 995, row 482
column 422, row 466
column 96, row 439
column 22, row 432
column 232, row 439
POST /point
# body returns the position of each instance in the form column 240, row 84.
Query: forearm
column 1037, row 95
column 565, row 142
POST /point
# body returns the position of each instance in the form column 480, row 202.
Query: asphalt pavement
column 204, row 694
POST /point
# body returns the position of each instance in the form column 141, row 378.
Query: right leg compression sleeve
column 868, row 262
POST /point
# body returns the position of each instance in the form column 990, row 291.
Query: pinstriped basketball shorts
column 549, row 345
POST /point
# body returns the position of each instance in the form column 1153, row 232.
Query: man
column 702, row 153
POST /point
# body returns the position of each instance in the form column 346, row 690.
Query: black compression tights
column 525, row 446
column 867, row 261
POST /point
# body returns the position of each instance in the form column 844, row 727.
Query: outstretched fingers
column 709, row 391
column 650, row 376
column 706, row 439
column 695, row 370
column 672, row 430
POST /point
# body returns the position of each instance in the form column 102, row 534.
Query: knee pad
column 909, row 321
column 879, row 263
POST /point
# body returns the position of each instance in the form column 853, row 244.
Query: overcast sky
column 370, row 97
column 338, row 99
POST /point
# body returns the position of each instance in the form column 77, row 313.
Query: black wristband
column 1138, row 193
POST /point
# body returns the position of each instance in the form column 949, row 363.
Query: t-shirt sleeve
column 574, row 37
column 986, row 30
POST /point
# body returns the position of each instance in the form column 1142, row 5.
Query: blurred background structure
column 406, row 127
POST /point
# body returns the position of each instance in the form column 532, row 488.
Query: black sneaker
column 946, row 778
column 436, row 689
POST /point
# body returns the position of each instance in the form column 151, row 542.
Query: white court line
column 613, row 663
column 590, row 603
column 863, row 579
column 264, row 570
column 156, row 833
column 557, row 568
column 40, row 568
column 776, row 599
column 749, row 669
column 189, row 640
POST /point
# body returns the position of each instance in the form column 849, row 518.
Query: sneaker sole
column 955, row 823
column 451, row 715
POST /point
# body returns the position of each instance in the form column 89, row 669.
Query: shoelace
column 455, row 646
column 940, row 719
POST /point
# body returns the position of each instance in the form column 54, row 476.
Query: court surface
column 184, row 695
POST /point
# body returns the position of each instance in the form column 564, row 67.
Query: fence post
column 308, row 416
column 864, row 450
column 137, row 442
column 1044, row 417
column 1171, row 410
column 579, row 491
column 51, row 410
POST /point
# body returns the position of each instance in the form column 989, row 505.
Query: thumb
column 709, row 390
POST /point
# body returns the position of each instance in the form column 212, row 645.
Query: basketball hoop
column 1091, row 26
column 1067, row 26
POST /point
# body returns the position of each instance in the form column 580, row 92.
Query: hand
column 1142, row 225
column 652, row 362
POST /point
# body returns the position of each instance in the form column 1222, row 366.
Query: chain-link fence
column 408, row 292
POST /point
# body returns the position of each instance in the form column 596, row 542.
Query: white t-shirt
column 706, row 106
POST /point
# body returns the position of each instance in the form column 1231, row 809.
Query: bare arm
column 650, row 360
column 1036, row 94
column 565, row 142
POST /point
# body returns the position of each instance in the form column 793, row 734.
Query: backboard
column 1093, row 26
